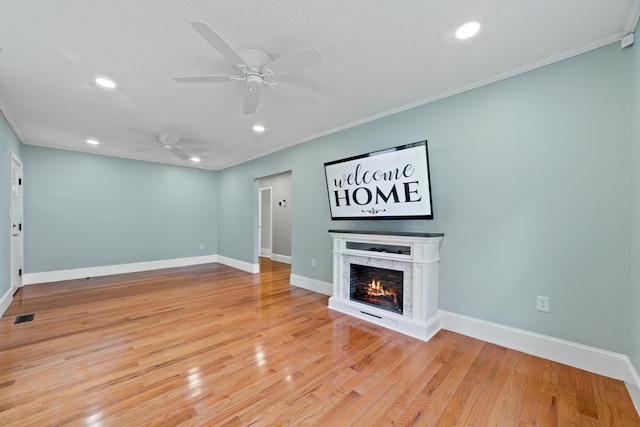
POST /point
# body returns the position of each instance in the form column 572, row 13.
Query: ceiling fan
column 257, row 70
column 169, row 141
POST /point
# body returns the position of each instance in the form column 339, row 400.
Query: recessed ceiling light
column 258, row 128
column 106, row 83
column 195, row 159
column 93, row 141
column 467, row 30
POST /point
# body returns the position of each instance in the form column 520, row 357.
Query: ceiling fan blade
column 295, row 93
column 169, row 138
column 145, row 149
column 219, row 44
column 292, row 63
column 206, row 79
column 251, row 99
column 179, row 153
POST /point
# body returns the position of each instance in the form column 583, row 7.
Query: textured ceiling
column 380, row 57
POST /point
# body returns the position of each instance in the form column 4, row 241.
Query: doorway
column 16, row 223
column 265, row 222
column 273, row 219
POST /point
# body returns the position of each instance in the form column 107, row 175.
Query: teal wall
column 535, row 181
column 633, row 300
column 9, row 143
column 84, row 210
column 530, row 180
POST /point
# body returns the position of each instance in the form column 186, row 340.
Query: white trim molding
column 602, row 362
column 311, row 284
column 265, row 252
column 5, row 301
column 108, row 270
column 634, row 392
column 281, row 258
column 240, row 265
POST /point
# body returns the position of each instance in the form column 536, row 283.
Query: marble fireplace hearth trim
column 420, row 317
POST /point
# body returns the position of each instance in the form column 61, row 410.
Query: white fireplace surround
column 419, row 264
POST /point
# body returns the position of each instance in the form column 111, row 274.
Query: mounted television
column 386, row 184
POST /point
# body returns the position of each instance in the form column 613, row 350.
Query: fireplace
column 390, row 279
column 378, row 287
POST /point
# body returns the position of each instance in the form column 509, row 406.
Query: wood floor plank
column 212, row 345
column 475, row 383
column 427, row 408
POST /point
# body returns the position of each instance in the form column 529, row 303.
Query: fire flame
column 375, row 289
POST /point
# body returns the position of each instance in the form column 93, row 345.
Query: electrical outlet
column 313, row 262
column 542, row 304
column 201, row 245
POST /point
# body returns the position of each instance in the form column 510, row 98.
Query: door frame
column 260, row 190
column 16, row 248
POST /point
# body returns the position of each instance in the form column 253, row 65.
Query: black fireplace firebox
column 379, row 287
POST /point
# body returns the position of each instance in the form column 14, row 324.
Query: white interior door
column 16, row 223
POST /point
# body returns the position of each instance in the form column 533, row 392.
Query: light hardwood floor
column 211, row 345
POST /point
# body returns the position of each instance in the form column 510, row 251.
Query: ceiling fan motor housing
column 257, row 68
column 254, row 81
column 255, row 58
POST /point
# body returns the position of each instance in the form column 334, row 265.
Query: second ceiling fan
column 258, row 70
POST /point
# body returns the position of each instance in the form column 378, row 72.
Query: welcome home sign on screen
column 387, row 184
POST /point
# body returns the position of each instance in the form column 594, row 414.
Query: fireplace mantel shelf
column 389, row 233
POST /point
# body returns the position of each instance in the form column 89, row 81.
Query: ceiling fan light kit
column 257, row 70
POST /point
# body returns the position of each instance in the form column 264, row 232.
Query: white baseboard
column 634, row 392
column 281, row 258
column 311, row 284
column 108, row 270
column 240, row 265
column 5, row 301
column 265, row 252
column 602, row 362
